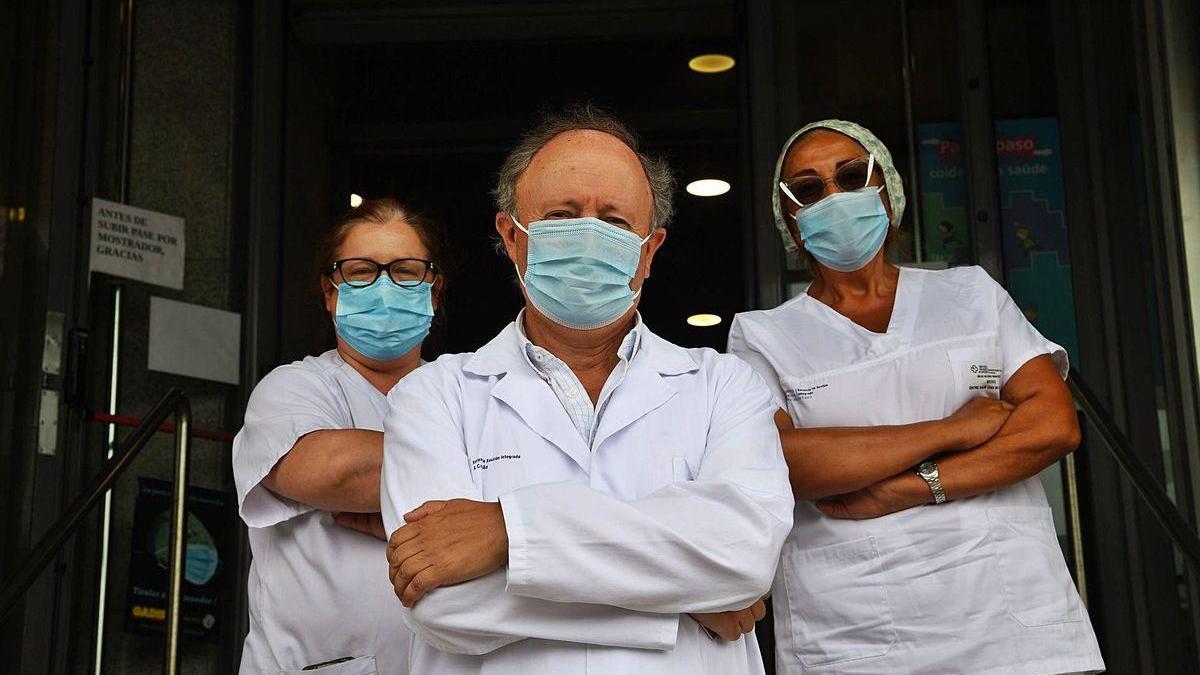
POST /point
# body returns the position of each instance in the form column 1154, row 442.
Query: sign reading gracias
column 137, row 244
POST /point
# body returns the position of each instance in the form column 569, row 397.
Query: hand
column 367, row 523
column 444, row 543
column 731, row 626
column 900, row 492
column 977, row 421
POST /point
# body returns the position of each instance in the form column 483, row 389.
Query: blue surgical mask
column 201, row 564
column 578, row 270
column 845, row 230
column 384, row 321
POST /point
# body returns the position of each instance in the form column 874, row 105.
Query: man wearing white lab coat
column 580, row 495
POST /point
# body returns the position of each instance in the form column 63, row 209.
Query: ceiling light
column 711, row 63
column 707, row 187
column 355, row 200
column 703, row 320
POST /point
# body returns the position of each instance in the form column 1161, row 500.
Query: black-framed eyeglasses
column 362, row 272
column 810, row 188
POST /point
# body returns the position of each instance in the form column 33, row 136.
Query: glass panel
column 944, row 232
column 850, row 66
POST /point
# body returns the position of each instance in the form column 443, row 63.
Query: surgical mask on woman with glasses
column 383, row 315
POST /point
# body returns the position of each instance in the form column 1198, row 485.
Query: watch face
column 928, row 469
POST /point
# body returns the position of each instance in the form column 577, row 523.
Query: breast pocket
column 839, row 604
column 978, row 371
column 363, row 665
column 500, row 470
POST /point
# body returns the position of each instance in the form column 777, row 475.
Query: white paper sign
column 195, row 341
column 137, row 244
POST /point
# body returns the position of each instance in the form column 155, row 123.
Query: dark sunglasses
column 810, row 189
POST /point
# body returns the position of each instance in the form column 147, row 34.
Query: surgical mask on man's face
column 845, row 230
column 578, row 270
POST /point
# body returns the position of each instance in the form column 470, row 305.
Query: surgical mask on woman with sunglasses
column 844, row 230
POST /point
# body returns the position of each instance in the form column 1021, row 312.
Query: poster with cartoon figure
column 1033, row 221
column 945, row 236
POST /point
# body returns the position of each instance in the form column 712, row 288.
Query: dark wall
column 430, row 124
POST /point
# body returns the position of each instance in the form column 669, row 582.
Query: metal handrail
column 174, row 401
column 1144, row 481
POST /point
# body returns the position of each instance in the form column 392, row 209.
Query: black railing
column 1152, row 492
column 175, row 401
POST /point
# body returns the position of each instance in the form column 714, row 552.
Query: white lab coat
column 317, row 591
column 680, row 505
column 971, row 586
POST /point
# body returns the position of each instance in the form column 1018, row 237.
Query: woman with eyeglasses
column 307, row 461
column 917, row 408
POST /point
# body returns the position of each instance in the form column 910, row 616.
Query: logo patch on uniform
column 486, row 462
column 803, row 393
column 984, row 378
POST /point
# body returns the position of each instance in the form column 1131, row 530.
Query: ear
column 794, row 231
column 887, row 202
column 329, row 291
column 652, row 245
column 508, row 235
column 437, row 293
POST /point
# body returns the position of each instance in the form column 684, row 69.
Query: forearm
column 332, row 469
column 1035, row 436
column 836, row 460
column 689, row 547
column 480, row 616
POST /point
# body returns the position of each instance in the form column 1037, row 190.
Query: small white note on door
column 196, row 341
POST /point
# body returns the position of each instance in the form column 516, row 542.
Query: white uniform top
column 679, row 504
column 971, row 586
column 317, row 591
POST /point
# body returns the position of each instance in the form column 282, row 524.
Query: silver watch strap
column 935, row 486
column 933, row 479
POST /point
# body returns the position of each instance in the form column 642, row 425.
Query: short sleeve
column 288, row 403
column 739, row 346
column 1019, row 340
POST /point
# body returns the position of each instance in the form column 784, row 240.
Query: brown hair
column 385, row 210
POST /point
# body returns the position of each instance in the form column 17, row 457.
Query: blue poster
column 945, row 236
column 1037, row 258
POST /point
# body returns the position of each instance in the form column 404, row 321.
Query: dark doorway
column 430, row 124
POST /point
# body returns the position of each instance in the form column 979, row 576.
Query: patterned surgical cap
column 883, row 159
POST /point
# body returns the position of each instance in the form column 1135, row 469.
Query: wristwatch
column 929, row 471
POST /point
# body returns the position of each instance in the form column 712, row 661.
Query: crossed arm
column 335, row 470
column 477, row 575
column 1038, row 428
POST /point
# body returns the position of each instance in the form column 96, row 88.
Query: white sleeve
column 705, row 545
column 739, row 346
column 287, row 404
column 424, row 458
column 1019, row 340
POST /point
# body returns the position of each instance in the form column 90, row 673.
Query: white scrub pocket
column 1037, row 588
column 978, row 371
column 363, row 665
column 839, row 603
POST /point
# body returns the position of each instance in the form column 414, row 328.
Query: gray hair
column 576, row 118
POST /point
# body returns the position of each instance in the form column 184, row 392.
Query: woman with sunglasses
column 917, row 409
column 307, row 461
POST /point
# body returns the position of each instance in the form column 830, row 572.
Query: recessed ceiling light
column 707, row 187
column 711, row 63
column 355, row 200
column 703, row 320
